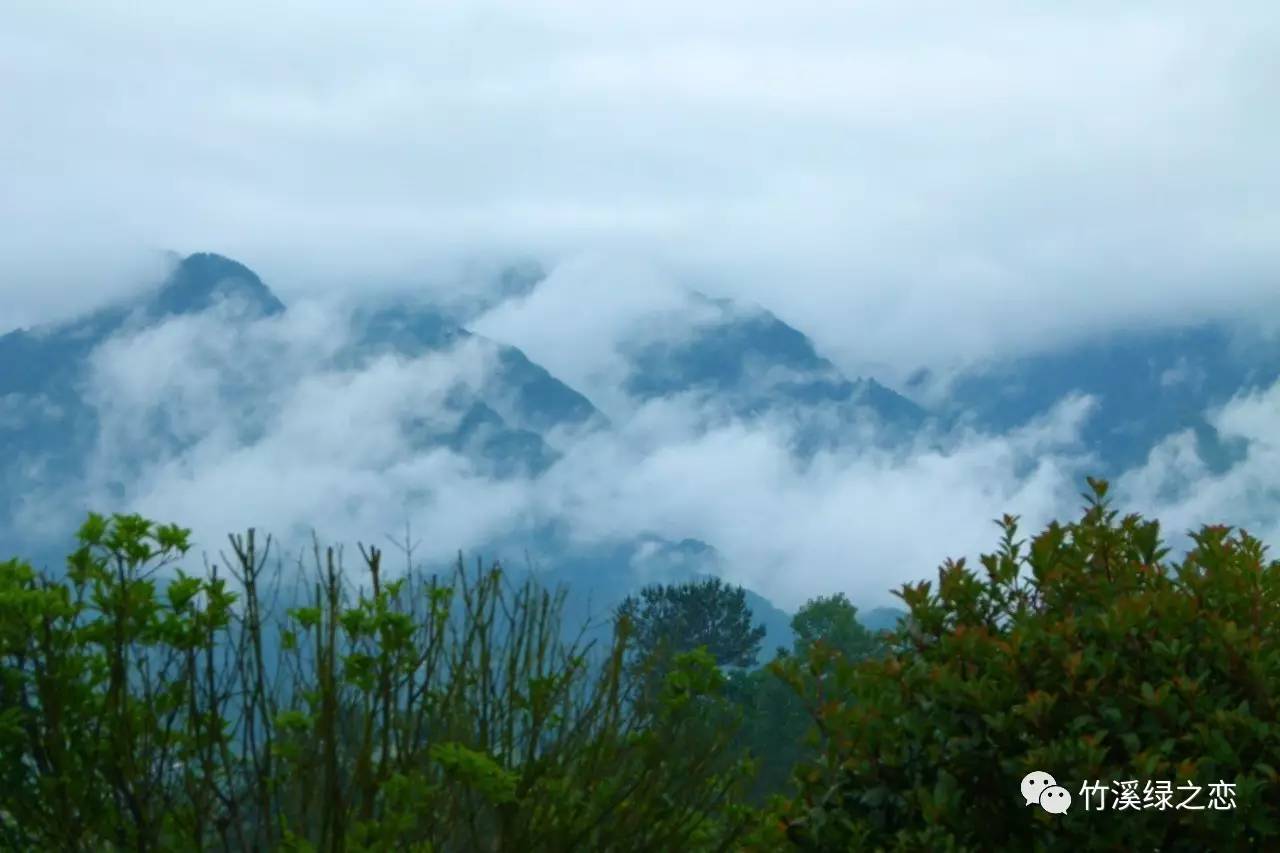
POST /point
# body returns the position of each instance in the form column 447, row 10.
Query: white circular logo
column 1034, row 784
column 1055, row 799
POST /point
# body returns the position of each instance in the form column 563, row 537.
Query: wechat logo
column 1040, row 787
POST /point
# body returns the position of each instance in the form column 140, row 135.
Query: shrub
column 776, row 728
column 1087, row 655
column 142, row 708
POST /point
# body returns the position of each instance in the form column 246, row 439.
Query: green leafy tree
column 1086, row 654
column 669, row 619
column 776, row 724
column 143, row 709
column 833, row 620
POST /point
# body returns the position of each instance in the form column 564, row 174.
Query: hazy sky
column 907, row 181
column 911, row 183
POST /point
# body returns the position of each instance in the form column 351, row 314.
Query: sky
column 874, row 172
column 913, row 184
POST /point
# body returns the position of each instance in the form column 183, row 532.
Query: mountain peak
column 204, row 279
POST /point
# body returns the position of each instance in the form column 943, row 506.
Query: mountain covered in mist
column 505, row 422
column 484, row 405
column 1146, row 385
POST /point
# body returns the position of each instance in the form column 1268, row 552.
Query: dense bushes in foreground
column 423, row 714
column 1084, row 654
column 146, row 709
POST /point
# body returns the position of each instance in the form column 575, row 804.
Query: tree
column 666, row 620
column 833, row 620
column 1086, row 655
column 776, row 723
column 430, row 712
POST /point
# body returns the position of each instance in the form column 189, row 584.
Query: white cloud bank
column 285, row 443
column 1177, row 486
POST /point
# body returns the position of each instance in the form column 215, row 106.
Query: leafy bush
column 142, row 708
column 145, row 709
column 1086, row 655
column 776, row 727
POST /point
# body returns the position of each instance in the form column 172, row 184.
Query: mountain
column 1148, row 384
column 506, row 417
column 754, row 362
column 506, row 421
column 881, row 618
column 501, row 416
column 204, row 280
column 49, row 360
column 46, row 425
column 739, row 362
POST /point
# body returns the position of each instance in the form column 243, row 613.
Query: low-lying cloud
column 1178, row 487
column 221, row 425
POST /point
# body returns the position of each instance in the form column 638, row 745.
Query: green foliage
column 670, row 619
column 1084, row 654
column 833, row 620
column 776, row 725
column 145, row 709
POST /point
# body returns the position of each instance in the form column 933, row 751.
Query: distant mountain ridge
column 51, row 428
column 515, row 421
column 1148, row 383
column 202, row 280
column 505, row 427
column 49, row 364
column 33, row 359
column 758, row 363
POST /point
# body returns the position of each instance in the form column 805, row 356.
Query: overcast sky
column 875, row 172
column 911, row 183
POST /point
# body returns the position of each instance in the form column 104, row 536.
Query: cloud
column 222, row 425
column 24, row 410
column 913, row 182
column 1178, row 487
column 226, row 425
column 861, row 521
column 1182, row 373
column 589, row 315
